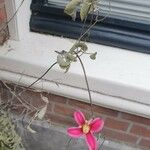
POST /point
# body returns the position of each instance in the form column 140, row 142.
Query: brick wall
column 3, row 17
column 119, row 126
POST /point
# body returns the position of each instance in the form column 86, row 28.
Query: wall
column 119, row 126
column 3, row 17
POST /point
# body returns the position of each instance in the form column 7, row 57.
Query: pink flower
column 86, row 128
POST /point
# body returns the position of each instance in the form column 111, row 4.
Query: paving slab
column 50, row 137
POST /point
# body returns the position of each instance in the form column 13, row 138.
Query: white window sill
column 119, row 79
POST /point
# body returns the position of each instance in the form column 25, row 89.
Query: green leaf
column 70, row 8
column 9, row 139
column 93, row 56
column 85, row 9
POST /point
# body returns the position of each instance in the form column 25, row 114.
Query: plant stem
column 87, row 84
column 42, row 75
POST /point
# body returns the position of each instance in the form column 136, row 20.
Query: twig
column 102, row 143
column 25, row 104
column 68, row 142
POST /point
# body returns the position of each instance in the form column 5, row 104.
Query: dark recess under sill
column 112, row 36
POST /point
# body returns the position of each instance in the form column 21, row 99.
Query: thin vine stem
column 96, row 21
column 39, row 78
column 87, row 84
column 42, row 75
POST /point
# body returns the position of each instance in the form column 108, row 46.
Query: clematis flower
column 86, row 128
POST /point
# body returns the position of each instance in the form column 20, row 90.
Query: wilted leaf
column 62, row 63
column 70, row 8
column 67, row 69
column 30, row 129
column 85, row 8
column 70, row 57
column 93, row 56
column 45, row 99
column 42, row 112
column 81, row 45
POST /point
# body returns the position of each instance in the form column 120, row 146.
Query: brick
column 105, row 111
column 33, row 98
column 79, row 104
column 67, row 111
column 119, row 136
column 116, row 124
column 1, row 1
column 63, row 110
column 4, row 35
column 57, row 99
column 2, row 15
column 145, row 143
column 5, row 95
column 60, row 120
column 140, row 130
column 137, row 119
column 96, row 109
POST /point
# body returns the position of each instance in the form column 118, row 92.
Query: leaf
column 30, row 129
column 45, row 99
column 70, row 8
column 85, row 9
column 42, row 112
column 81, row 45
column 62, row 63
column 93, row 56
column 70, row 57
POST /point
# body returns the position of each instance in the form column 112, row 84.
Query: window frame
column 113, row 31
column 13, row 25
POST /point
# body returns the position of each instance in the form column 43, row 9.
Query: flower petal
column 96, row 125
column 79, row 117
column 74, row 132
column 91, row 141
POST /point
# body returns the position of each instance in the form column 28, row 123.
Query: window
column 127, row 26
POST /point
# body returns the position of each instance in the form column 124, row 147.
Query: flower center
column 85, row 128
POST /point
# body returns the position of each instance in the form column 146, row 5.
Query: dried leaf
column 42, row 112
column 62, row 63
column 70, row 8
column 70, row 57
column 30, row 129
column 45, row 99
column 67, row 69
column 81, row 45
column 85, row 8
column 93, row 56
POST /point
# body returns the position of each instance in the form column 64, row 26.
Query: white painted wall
column 119, row 79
